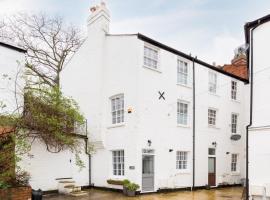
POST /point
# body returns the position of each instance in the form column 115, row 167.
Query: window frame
column 178, row 112
column 119, row 112
column 182, row 160
column 234, row 162
column 234, row 125
column 182, row 73
column 157, row 60
column 212, row 83
column 234, row 90
column 215, row 119
column 120, row 153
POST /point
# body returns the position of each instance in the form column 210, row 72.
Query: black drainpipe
column 89, row 155
column 193, row 123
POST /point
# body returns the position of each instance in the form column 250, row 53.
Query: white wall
column 11, row 64
column 45, row 167
column 259, row 150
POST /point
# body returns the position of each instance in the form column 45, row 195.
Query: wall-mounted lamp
column 129, row 110
column 149, row 142
column 214, row 144
column 170, row 150
column 227, row 153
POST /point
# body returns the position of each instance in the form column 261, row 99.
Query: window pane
column 117, row 109
column 150, row 57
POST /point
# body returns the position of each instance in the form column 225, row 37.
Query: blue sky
column 209, row 29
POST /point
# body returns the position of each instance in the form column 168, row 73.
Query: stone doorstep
column 78, row 193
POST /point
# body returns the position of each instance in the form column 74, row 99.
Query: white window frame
column 150, row 57
column 234, row 162
column 182, row 72
column 212, row 82
column 182, row 160
column 117, row 109
column 234, row 85
column 181, row 115
column 234, row 123
column 118, row 163
column 212, row 118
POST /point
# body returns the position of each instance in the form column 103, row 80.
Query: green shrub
column 132, row 186
column 126, row 182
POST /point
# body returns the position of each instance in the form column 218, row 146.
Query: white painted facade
column 107, row 65
column 259, row 137
column 12, row 61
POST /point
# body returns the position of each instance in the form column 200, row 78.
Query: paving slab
column 231, row 193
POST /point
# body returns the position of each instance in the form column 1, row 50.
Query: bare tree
column 49, row 43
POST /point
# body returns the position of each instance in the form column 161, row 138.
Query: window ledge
column 183, row 85
column 183, row 126
column 153, row 69
column 213, row 94
column 181, row 171
column 116, row 125
column 214, row 127
column 235, row 173
column 235, row 100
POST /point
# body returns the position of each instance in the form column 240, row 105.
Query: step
column 78, row 193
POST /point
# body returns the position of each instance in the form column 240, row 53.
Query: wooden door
column 212, row 171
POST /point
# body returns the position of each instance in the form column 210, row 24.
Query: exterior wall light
column 149, row 142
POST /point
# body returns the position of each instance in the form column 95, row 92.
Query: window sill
column 183, row 85
column 183, row 126
column 235, row 173
column 181, row 171
column 153, row 69
column 116, row 125
column 213, row 94
column 213, row 127
column 235, row 101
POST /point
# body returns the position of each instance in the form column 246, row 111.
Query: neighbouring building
column 157, row 116
column 257, row 38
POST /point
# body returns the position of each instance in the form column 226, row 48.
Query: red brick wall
column 19, row 193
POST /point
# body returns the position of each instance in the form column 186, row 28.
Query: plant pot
column 131, row 193
column 124, row 190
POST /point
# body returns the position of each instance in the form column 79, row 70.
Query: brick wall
column 19, row 193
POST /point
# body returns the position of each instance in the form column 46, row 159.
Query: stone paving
column 233, row 193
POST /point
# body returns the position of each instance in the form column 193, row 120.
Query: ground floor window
column 181, row 159
column 118, row 163
column 234, row 163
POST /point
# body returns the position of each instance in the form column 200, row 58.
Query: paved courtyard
column 233, row 193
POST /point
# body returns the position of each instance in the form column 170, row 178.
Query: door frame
column 215, row 167
column 148, row 152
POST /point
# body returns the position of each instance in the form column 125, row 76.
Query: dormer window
column 151, row 57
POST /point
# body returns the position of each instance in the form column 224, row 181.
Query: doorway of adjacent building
column 211, row 171
column 148, row 173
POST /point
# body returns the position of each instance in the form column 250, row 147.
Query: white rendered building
column 258, row 40
column 156, row 116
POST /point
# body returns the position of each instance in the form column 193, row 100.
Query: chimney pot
column 93, row 9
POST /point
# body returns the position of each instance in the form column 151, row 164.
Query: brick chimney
column 99, row 19
column 238, row 66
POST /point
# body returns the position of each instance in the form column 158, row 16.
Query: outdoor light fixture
column 214, row 144
column 170, row 150
column 227, row 153
column 149, row 142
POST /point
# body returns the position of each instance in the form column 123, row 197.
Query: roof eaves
column 177, row 52
column 13, row 47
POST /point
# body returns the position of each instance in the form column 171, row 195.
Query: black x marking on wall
column 161, row 95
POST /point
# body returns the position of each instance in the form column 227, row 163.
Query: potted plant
column 125, row 183
column 131, row 189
